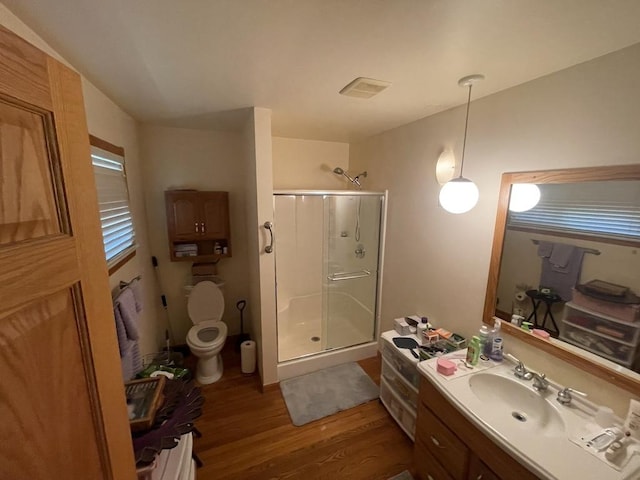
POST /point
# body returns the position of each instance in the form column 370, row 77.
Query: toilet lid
column 205, row 302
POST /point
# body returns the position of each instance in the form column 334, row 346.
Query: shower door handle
column 269, row 226
column 348, row 275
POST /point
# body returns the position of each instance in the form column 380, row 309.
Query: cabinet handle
column 479, row 477
column 202, row 227
column 197, row 228
column 269, row 226
column 435, row 441
column 429, row 477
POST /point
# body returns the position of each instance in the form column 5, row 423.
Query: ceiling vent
column 363, row 87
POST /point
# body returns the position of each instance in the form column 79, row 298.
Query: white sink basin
column 517, row 404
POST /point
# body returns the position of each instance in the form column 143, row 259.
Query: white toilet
column 208, row 334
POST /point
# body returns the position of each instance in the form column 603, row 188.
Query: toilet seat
column 198, row 336
column 205, row 303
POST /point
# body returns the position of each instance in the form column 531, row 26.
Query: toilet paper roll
column 248, row 356
column 521, row 296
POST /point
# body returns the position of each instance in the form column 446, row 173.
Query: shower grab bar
column 269, row 248
column 336, row 277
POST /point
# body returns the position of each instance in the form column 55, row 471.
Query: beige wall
column 259, row 183
column 108, row 121
column 202, row 160
column 309, row 164
column 436, row 263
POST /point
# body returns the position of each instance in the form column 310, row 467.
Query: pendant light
column 524, row 196
column 460, row 194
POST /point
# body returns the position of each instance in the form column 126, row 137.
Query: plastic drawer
column 399, row 385
column 403, row 365
column 594, row 342
column 398, row 409
column 604, row 325
column 629, row 313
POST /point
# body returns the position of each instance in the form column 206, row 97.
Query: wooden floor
column 248, row 435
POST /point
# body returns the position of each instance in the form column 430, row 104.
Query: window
column 113, row 201
column 605, row 211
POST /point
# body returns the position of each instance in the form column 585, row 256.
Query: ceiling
column 198, row 63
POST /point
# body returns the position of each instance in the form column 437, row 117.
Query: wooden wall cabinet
column 200, row 219
column 457, row 450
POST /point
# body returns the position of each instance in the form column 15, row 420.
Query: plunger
column 243, row 336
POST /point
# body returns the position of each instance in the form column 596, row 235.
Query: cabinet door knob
column 479, row 477
column 202, row 227
column 197, row 228
column 429, row 477
column 435, row 441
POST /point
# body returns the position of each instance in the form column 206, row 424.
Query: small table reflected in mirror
column 549, row 299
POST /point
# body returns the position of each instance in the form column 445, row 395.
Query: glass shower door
column 351, row 250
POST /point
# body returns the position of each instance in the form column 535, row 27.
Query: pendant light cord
column 466, row 124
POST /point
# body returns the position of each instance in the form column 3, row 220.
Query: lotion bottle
column 473, row 351
column 496, row 343
column 484, row 336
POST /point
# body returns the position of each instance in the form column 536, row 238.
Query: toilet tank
column 194, row 279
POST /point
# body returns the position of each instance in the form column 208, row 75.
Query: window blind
column 606, row 218
column 113, row 200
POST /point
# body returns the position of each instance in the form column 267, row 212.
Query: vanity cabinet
column 450, row 447
column 198, row 225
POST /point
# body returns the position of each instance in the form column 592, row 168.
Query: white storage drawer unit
column 399, row 383
column 614, row 339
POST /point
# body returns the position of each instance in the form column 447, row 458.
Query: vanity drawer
column 443, row 444
column 427, row 467
column 479, row 471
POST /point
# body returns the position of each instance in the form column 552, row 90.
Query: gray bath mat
column 402, row 476
column 325, row 392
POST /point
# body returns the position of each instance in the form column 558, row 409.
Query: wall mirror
column 571, row 266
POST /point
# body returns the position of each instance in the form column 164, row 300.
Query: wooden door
column 183, row 215
column 62, row 407
column 215, row 214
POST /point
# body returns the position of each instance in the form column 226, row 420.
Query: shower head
column 355, row 180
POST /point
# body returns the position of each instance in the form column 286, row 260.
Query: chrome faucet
column 520, row 371
column 540, row 382
column 564, row 395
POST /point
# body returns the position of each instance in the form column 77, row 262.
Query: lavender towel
column 561, row 255
column 125, row 305
column 126, row 318
column 545, row 249
column 136, row 287
column 562, row 280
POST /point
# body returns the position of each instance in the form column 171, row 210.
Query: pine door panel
column 62, row 402
column 27, row 200
column 40, row 350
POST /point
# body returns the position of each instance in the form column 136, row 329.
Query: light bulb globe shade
column 524, row 196
column 459, row 195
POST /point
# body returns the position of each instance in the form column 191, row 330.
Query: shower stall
column 327, row 257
